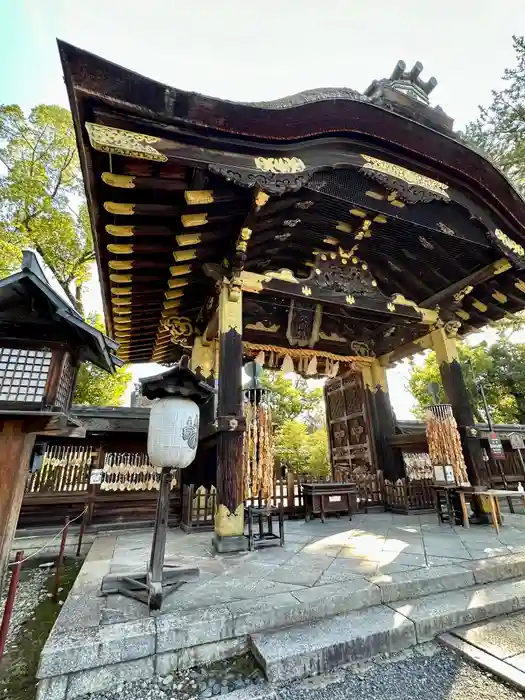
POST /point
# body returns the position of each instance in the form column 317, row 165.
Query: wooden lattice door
column 350, row 432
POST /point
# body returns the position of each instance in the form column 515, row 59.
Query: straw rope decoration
column 444, row 443
column 130, row 472
column 258, row 451
column 297, row 353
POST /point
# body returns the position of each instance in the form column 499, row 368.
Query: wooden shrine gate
column 348, row 417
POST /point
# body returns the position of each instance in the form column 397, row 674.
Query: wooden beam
column 407, row 350
column 477, row 277
column 284, row 283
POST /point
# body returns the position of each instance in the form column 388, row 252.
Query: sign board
column 516, row 441
column 96, row 476
column 496, row 448
column 334, row 499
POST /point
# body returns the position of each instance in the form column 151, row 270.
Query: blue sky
column 240, row 50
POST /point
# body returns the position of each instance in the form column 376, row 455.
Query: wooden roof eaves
column 199, row 112
column 104, row 358
column 89, row 183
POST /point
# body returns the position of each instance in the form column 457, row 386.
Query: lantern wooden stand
column 172, row 444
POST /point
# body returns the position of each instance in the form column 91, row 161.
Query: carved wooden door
column 350, row 432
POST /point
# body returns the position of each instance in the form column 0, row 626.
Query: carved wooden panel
column 349, row 429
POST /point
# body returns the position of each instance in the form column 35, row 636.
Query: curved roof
column 187, row 198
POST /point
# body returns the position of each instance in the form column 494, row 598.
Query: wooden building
column 42, row 341
column 334, row 230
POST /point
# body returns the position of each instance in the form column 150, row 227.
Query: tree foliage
column 94, row 386
column 499, row 367
column 42, row 207
column 500, row 127
column 300, row 451
column 41, row 196
column 291, row 398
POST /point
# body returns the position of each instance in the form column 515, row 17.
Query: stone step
column 316, row 647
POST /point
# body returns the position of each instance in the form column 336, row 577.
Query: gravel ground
column 428, row 672
column 199, row 682
column 32, row 590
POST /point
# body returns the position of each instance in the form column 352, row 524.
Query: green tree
column 300, row 451
column 291, row 398
column 498, row 366
column 42, row 197
column 500, row 127
column 318, row 460
column 291, row 446
column 94, row 386
column 42, row 207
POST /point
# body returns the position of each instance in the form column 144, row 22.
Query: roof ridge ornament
column 406, row 82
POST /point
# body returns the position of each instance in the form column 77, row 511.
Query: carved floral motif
column 408, row 185
column 280, row 165
column 123, row 143
column 273, row 183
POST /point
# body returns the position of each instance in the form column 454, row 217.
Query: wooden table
column 494, row 495
column 447, row 491
column 328, row 498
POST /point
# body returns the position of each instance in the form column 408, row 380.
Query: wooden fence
column 199, row 504
column 408, row 496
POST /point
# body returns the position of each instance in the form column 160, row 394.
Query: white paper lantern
column 173, row 433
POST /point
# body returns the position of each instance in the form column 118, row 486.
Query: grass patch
column 19, row 665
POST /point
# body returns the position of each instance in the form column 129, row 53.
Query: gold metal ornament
column 198, row 196
column 280, row 165
column 499, row 296
column 459, row 296
column 179, row 327
column 509, row 243
column 261, row 198
column 123, row 143
column 479, row 305
column 120, row 231
column 406, row 175
column 119, row 208
column 126, row 182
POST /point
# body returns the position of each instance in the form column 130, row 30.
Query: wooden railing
column 199, row 504
column 405, row 496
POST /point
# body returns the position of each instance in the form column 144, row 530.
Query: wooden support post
column 229, row 517
column 457, row 395
column 16, row 446
column 382, row 420
column 203, row 364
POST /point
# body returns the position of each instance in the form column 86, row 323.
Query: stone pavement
column 402, row 568
column 316, row 554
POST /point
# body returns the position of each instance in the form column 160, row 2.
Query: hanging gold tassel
column 312, row 366
column 288, row 365
column 260, row 358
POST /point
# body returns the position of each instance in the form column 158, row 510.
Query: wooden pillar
column 229, row 517
column 389, row 460
column 203, row 360
column 457, row 395
column 15, row 452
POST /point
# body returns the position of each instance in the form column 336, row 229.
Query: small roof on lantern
column 31, row 311
column 180, row 380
